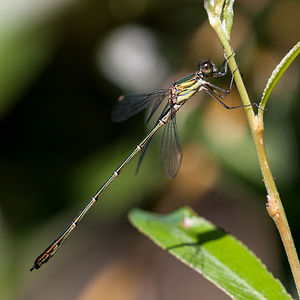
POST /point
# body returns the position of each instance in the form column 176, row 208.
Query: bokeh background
column 63, row 64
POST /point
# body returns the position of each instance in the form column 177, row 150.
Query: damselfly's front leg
column 215, row 92
column 224, row 68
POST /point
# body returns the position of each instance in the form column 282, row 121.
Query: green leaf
column 220, row 15
column 210, row 251
column 278, row 72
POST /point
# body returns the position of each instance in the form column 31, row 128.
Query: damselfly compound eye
column 206, row 67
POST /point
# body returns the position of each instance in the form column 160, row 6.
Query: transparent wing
column 143, row 152
column 131, row 104
column 145, row 148
column 170, row 151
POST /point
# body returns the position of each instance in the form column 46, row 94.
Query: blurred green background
column 63, row 64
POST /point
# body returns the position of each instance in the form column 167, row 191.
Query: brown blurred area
column 63, row 64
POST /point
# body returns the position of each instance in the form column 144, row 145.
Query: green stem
column 274, row 205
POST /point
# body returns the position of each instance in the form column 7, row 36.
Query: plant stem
column 274, row 205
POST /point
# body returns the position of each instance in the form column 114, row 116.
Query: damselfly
column 171, row 154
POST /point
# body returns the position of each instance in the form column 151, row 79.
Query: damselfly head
column 206, row 67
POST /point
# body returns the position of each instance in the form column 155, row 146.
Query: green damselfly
column 171, row 153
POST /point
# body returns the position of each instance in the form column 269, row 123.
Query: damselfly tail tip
column 35, row 266
column 43, row 258
column 39, row 261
